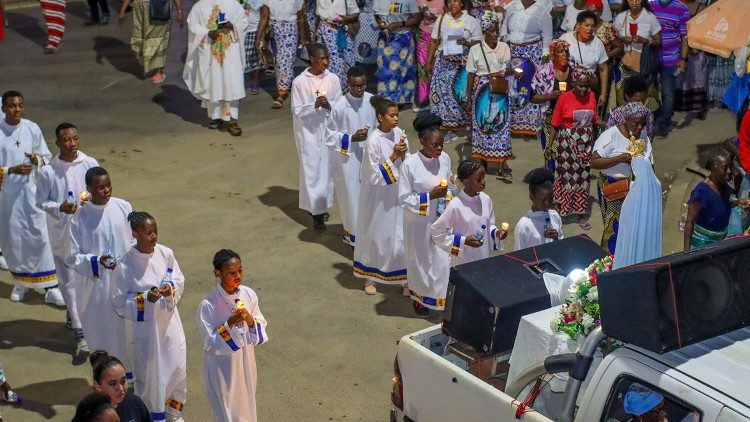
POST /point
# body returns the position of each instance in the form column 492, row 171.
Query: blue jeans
column 667, row 86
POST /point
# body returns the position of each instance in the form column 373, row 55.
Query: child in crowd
column 541, row 224
column 96, row 407
column 109, row 379
column 230, row 324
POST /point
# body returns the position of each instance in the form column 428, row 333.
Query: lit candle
column 323, row 93
column 84, row 195
column 563, row 86
column 443, row 183
column 518, row 71
column 240, row 304
column 504, row 227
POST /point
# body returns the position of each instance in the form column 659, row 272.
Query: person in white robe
column 146, row 287
column 215, row 63
column 23, row 232
column 352, row 119
column 379, row 252
column 467, row 228
column 424, row 188
column 58, row 193
column 230, row 325
column 313, row 92
column 99, row 236
column 541, row 224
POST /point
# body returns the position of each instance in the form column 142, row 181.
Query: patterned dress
column 396, row 73
column 150, row 39
column 524, row 116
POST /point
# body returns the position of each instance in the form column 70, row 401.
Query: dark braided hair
column 93, row 173
column 101, row 361
column 138, row 218
column 466, row 168
column 92, row 406
column 224, row 256
column 539, row 177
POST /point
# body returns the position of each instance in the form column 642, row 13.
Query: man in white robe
column 58, row 192
column 23, row 232
column 99, row 236
column 352, row 118
column 214, row 68
column 313, row 92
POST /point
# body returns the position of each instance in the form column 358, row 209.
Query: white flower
column 593, row 295
column 587, row 321
column 555, row 324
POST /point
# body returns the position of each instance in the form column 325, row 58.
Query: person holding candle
column 424, row 191
column 396, row 71
column 230, row 325
column 541, row 224
column 99, row 236
column 23, row 232
column 313, row 92
column 214, row 71
column 467, row 228
column 332, row 31
column 146, row 287
column 379, row 254
column 352, row 119
column 57, row 193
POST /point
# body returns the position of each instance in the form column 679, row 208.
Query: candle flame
column 504, row 227
column 443, row 183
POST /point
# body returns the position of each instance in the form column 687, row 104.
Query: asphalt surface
column 331, row 350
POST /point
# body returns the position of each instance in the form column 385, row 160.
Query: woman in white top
column 423, row 192
column 490, row 131
column 587, row 50
column 333, row 18
column 541, row 224
column 636, row 26
column 379, row 251
column 452, row 36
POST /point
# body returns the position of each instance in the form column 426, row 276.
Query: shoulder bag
column 159, row 10
column 616, row 190
column 498, row 84
column 645, row 62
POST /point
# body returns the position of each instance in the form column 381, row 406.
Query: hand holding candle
column 503, row 233
column 563, row 86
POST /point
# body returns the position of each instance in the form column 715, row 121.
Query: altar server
column 230, row 325
column 352, row 118
column 146, row 287
column 541, row 224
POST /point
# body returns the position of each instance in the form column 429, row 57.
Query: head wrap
column 558, row 43
column 596, row 3
column 640, row 400
column 579, row 72
column 635, row 109
column 489, row 18
column 426, row 120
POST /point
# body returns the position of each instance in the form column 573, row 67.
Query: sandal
column 214, row 124
column 585, row 225
column 503, row 175
column 278, row 103
column 405, row 291
column 370, row 288
column 234, row 129
column 254, row 89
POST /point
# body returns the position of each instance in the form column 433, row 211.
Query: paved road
column 331, row 350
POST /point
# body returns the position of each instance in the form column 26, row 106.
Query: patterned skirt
column 448, row 91
column 524, row 116
column 572, row 170
column 490, row 131
column 423, row 79
column 610, row 214
column 150, row 39
column 545, row 137
column 285, row 36
column 396, row 73
column 340, row 59
column 252, row 60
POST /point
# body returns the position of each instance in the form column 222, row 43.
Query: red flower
column 593, row 280
column 568, row 318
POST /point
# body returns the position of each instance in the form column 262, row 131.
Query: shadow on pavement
column 28, row 27
column 41, row 397
column 286, row 200
column 118, row 54
column 396, row 304
column 180, row 102
column 52, row 336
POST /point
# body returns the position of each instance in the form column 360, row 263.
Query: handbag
column 498, row 84
column 616, row 190
column 645, row 62
column 159, row 10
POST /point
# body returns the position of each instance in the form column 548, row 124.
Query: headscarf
column 558, row 43
column 635, row 109
column 639, row 401
column 579, row 72
column 489, row 18
column 596, row 3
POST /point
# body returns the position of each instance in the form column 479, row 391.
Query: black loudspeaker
column 676, row 300
column 487, row 298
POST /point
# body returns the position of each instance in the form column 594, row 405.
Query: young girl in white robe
column 542, row 223
column 146, row 287
column 423, row 192
column 230, row 324
column 467, row 228
column 379, row 253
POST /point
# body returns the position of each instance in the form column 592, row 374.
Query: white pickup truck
column 707, row 381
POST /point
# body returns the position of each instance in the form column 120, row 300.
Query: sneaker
column 370, row 288
column 54, row 296
column 3, row 263
column 12, row 397
column 82, row 348
column 18, row 293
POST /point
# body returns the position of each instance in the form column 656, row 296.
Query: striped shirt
column 673, row 18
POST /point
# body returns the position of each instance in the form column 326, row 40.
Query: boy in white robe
column 58, row 192
column 313, row 92
column 230, row 325
column 99, row 236
column 146, row 287
column 541, row 224
column 352, row 118
column 23, row 232
column 214, row 67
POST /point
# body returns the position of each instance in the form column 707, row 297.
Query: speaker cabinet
column 676, row 300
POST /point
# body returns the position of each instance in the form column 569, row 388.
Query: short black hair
column 467, row 167
column 426, row 123
column 10, row 94
column 585, row 15
column 223, row 256
column 355, row 72
column 538, row 178
column 62, row 126
column 633, row 84
column 314, row 48
column 92, row 406
column 138, row 218
column 93, row 173
column 101, row 361
column 644, row 4
column 712, row 157
column 381, row 104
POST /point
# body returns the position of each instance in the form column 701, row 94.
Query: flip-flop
column 277, row 103
column 585, row 225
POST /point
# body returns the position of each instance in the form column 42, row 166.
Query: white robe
column 426, row 264
column 529, row 230
column 379, row 253
column 315, row 183
column 23, row 232
column 155, row 338
column 93, row 229
column 348, row 115
column 463, row 217
column 229, row 369
column 215, row 75
column 55, row 180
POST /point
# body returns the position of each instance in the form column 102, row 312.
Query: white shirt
column 471, row 28
column 498, row 58
column 647, row 23
column 327, row 9
column 283, row 10
column 571, row 14
column 612, row 143
column 523, row 25
column 589, row 55
column 530, row 228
